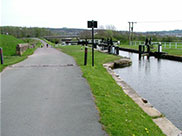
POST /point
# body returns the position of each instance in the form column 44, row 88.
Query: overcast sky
column 150, row 15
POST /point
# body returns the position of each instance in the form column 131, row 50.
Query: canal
column 157, row 80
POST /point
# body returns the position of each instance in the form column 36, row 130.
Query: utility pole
column 131, row 34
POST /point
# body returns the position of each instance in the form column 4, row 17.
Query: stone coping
column 164, row 124
column 21, row 48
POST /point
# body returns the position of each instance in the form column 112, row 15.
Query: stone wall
column 21, row 48
column 171, row 57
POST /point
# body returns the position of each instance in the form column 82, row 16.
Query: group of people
column 47, row 45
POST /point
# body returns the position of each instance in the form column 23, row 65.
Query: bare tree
column 85, row 34
column 110, row 27
column 101, row 27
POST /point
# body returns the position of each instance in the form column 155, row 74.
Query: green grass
column 171, row 51
column 8, row 43
column 129, row 46
column 50, row 43
column 176, row 52
column 119, row 114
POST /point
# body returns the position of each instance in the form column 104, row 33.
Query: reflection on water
column 157, row 80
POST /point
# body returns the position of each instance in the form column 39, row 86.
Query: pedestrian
column 47, row 45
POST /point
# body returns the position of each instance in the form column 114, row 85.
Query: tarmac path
column 46, row 95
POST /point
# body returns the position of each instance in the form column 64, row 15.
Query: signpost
column 92, row 24
column 1, row 54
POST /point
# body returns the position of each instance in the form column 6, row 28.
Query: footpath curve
column 46, row 95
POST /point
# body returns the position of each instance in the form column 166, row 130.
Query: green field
column 8, row 44
column 171, row 51
column 119, row 114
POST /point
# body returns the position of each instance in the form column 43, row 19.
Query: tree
column 20, row 32
column 110, row 27
column 101, row 27
column 85, row 34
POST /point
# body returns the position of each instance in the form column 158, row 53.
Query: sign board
column 92, row 24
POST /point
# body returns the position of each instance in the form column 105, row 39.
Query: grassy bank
column 172, row 51
column 120, row 115
column 8, row 43
column 177, row 52
column 50, row 43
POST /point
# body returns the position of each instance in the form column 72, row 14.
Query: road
column 46, row 95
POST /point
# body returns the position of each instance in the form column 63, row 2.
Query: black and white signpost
column 92, row 24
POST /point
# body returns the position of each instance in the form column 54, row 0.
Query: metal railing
column 166, row 45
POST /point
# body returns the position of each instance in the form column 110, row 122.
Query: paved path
column 45, row 95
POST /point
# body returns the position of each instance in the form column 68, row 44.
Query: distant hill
column 66, row 31
column 177, row 33
column 76, row 31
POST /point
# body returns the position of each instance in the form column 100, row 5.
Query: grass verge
column 50, row 43
column 119, row 114
column 172, row 51
column 8, row 43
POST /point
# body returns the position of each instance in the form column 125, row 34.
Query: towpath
column 46, row 95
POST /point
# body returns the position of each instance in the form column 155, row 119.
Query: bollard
column 140, row 52
column 143, row 48
column 140, row 49
column 1, row 53
column 117, row 50
column 148, row 49
column 159, row 47
column 85, row 58
column 109, row 49
column 112, row 49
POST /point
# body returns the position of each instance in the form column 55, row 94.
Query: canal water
column 157, row 80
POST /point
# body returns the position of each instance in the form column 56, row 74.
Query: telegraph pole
column 129, row 33
column 131, row 26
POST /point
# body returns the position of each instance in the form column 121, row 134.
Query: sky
column 150, row 15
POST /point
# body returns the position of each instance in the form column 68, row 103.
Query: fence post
column 176, row 45
column 1, row 54
column 130, row 43
column 170, row 45
column 117, row 50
